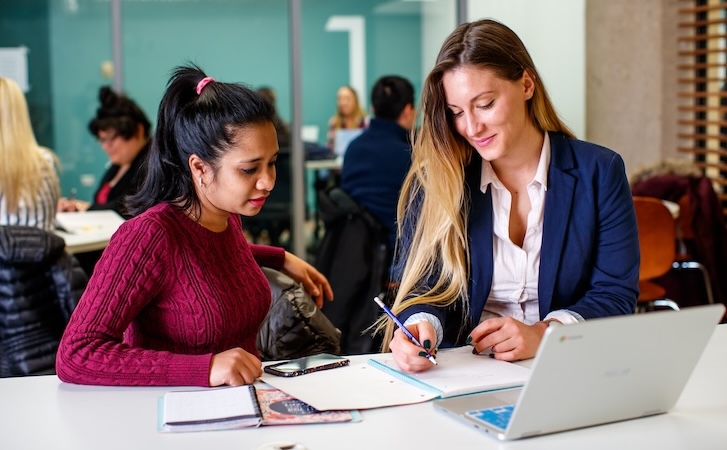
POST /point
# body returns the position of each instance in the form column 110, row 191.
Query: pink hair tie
column 202, row 83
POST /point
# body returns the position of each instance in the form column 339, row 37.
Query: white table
column 88, row 230
column 325, row 164
column 81, row 243
column 42, row 412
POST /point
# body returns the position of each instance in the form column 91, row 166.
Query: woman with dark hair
column 123, row 131
column 507, row 223
column 178, row 295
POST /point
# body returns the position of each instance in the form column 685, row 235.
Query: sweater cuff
column 189, row 370
column 268, row 256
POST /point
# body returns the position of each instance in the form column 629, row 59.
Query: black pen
column 403, row 329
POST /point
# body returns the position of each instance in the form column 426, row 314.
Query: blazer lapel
column 480, row 232
column 558, row 201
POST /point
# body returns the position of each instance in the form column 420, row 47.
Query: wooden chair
column 657, row 239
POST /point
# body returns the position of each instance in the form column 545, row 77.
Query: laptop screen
column 343, row 138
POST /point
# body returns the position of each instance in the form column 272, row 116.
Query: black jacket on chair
column 40, row 285
column 294, row 326
column 354, row 256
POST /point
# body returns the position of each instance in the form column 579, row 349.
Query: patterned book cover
column 279, row 408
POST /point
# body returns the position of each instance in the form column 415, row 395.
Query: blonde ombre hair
column 24, row 161
column 435, row 184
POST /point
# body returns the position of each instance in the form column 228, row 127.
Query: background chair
column 353, row 255
column 684, row 258
column 701, row 237
column 657, row 239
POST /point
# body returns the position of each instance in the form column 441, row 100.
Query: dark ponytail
column 189, row 123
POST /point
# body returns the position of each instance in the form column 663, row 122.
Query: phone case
column 273, row 369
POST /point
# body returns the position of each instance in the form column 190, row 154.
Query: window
column 703, row 88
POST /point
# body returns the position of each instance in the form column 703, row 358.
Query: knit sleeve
column 127, row 277
column 268, row 256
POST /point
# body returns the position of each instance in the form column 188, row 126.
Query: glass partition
column 68, row 51
column 231, row 40
column 355, row 43
column 342, row 42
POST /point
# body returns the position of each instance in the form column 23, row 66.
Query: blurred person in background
column 39, row 282
column 349, row 114
column 282, row 129
column 123, row 131
column 376, row 163
column 29, row 187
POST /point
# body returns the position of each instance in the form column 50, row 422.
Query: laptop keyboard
column 498, row 417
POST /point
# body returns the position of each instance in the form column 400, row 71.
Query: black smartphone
column 306, row 364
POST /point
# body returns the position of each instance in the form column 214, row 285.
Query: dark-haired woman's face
column 246, row 173
column 121, row 151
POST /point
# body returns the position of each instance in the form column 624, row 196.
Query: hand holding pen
column 403, row 329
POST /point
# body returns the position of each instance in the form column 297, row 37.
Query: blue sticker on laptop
column 497, row 417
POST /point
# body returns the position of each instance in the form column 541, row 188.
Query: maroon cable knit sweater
column 165, row 296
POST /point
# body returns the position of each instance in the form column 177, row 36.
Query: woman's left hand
column 507, row 338
column 312, row 280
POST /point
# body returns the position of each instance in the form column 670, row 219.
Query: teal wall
column 80, row 39
column 393, row 46
column 233, row 40
column 25, row 23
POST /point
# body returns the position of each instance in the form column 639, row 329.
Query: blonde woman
column 507, row 223
column 29, row 187
column 349, row 114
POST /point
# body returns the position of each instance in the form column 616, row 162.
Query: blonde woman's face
column 489, row 112
column 346, row 102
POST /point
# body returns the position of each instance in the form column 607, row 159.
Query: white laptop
column 344, row 136
column 596, row 372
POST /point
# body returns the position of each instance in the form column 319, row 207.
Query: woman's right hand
column 409, row 356
column 234, row 367
column 71, row 205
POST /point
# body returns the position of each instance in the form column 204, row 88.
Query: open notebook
column 373, row 381
column 459, row 372
column 104, row 222
column 210, row 409
column 239, row 407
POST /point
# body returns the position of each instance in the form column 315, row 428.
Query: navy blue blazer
column 589, row 261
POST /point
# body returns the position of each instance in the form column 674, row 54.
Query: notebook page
column 104, row 222
column 356, row 386
column 460, row 372
column 210, row 405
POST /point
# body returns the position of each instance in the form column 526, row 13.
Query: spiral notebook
column 459, row 372
column 210, row 409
